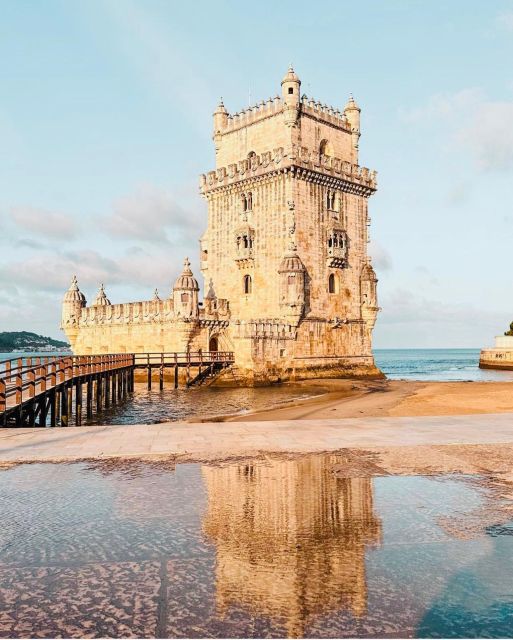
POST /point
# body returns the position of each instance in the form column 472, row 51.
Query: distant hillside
column 26, row 341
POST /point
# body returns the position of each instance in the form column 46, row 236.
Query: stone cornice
column 301, row 163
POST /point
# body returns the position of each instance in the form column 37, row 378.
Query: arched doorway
column 213, row 344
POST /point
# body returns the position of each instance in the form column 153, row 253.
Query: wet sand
column 386, row 398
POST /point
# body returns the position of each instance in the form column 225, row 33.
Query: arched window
column 244, row 202
column 249, row 201
column 332, row 283
column 247, row 284
column 325, row 148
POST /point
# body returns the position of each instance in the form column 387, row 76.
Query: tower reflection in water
column 290, row 538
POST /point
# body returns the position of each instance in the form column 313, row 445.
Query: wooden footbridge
column 49, row 391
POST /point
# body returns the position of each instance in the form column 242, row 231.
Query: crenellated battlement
column 277, row 159
column 128, row 312
column 325, row 113
column 260, row 111
column 275, row 105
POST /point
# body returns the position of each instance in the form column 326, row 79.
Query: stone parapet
column 303, row 162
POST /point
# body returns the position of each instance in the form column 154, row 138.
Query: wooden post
column 119, row 386
column 69, row 391
column 149, row 372
column 43, row 372
column 107, row 389
column 3, row 395
column 64, row 406
column 176, row 370
column 19, row 388
column 53, row 407
column 188, row 367
column 58, row 403
column 78, row 402
column 3, row 400
column 113, row 383
column 89, row 402
column 98, row 393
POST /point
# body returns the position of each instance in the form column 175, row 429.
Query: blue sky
column 105, row 125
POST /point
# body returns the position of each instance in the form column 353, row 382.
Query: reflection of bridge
column 290, row 538
column 49, row 390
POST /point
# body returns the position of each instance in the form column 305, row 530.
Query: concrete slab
column 217, row 440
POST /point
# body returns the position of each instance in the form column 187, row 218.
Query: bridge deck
column 27, row 383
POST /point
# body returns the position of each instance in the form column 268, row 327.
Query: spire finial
column 156, row 295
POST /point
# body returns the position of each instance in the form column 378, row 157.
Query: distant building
column 289, row 284
column 500, row 356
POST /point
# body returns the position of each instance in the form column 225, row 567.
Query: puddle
column 257, row 548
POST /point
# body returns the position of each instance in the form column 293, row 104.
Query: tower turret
column 352, row 112
column 101, row 299
column 369, row 298
column 185, row 293
column 290, row 93
column 292, row 286
column 72, row 304
column 220, row 122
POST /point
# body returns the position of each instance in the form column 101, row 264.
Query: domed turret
column 352, row 113
column 101, row 299
column 220, row 124
column 185, row 293
column 291, row 263
column 292, row 286
column 368, row 292
column 72, row 304
column 290, row 93
column 291, row 77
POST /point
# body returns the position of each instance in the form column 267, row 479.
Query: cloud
column 505, row 20
column 470, row 122
column 446, row 105
column 154, row 216
column 412, row 320
column 381, row 258
column 41, row 222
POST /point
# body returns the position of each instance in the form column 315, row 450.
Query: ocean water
column 143, row 406
column 436, row 364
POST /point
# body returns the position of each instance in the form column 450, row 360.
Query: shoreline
column 356, row 398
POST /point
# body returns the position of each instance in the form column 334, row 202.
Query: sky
column 106, row 122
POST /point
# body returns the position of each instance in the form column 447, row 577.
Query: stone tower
column 290, row 289
column 286, row 242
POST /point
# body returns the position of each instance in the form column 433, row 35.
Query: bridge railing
column 193, row 358
column 23, row 378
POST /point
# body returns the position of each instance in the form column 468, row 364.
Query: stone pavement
column 218, row 440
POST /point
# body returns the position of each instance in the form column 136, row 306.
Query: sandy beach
column 380, row 398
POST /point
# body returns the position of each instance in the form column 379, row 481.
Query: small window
column 331, row 283
column 292, row 279
column 291, row 90
column 247, row 284
column 185, row 297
